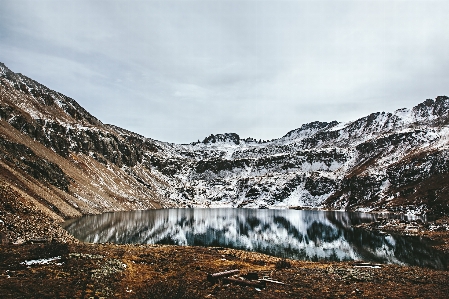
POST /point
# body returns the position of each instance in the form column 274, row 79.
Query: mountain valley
column 57, row 153
column 58, row 162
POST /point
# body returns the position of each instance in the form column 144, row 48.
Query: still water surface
column 304, row 235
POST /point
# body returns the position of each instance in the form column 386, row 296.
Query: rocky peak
column 222, row 138
column 432, row 112
column 308, row 130
column 3, row 69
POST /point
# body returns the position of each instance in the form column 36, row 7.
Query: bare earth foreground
column 38, row 259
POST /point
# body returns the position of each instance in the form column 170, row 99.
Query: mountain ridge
column 385, row 161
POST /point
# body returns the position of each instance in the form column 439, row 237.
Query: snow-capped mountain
column 72, row 163
column 392, row 161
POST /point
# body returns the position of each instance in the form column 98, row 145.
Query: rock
column 4, row 239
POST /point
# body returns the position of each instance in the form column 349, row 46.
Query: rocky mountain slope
column 66, row 162
column 385, row 161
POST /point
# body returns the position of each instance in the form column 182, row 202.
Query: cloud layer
column 180, row 70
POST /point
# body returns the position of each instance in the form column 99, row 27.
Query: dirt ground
column 38, row 259
column 68, row 270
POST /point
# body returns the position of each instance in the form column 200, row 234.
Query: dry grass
column 87, row 270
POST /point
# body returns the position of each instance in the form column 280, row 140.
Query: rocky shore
column 21, row 221
column 437, row 230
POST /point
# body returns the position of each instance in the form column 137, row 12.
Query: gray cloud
column 180, row 70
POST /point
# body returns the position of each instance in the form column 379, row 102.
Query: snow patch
column 46, row 261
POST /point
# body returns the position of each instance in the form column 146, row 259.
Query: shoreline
column 61, row 266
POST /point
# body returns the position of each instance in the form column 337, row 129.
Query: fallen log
column 249, row 283
column 213, row 277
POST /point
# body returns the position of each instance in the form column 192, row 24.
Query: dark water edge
column 296, row 234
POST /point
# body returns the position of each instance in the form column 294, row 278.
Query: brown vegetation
column 132, row 271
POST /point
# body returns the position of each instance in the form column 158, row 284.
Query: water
column 303, row 235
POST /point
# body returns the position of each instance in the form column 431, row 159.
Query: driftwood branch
column 367, row 265
column 219, row 275
column 271, row 281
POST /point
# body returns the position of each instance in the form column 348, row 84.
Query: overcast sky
column 178, row 71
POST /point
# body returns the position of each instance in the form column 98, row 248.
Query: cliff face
column 70, row 163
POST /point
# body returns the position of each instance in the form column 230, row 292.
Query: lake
column 303, row 235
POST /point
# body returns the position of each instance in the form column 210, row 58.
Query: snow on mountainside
column 72, row 163
column 393, row 161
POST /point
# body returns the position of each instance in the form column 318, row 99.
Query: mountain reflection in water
column 304, row 235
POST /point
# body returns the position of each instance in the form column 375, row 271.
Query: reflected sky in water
column 304, row 235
